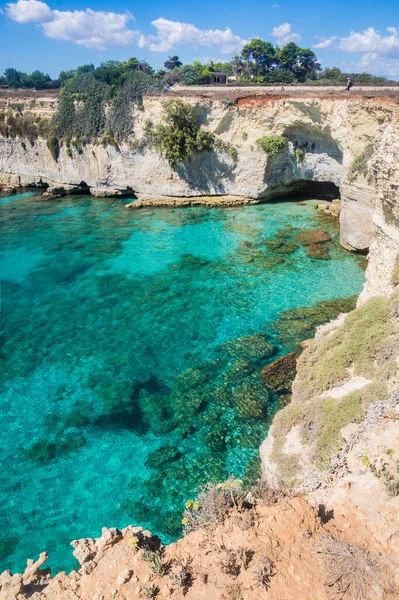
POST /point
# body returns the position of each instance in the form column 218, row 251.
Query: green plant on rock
column 272, row 144
column 244, row 135
column 386, row 472
column 233, row 153
column 68, row 152
column 156, row 561
column 358, row 165
column 395, row 271
column 213, row 504
column 151, row 590
column 182, row 576
column 53, row 146
column 300, row 154
column 178, row 138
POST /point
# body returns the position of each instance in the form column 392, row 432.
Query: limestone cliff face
column 351, row 366
column 332, row 132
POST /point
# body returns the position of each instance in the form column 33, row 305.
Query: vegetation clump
column 272, row 144
column 359, row 165
column 182, row 576
column 53, row 146
column 300, row 154
column 179, row 137
column 99, row 102
column 264, row 573
column 213, row 504
column 363, row 336
column 23, row 125
column 386, row 470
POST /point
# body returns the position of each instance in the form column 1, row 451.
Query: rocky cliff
column 330, row 133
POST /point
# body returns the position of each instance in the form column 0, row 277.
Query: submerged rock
column 273, row 244
column 189, row 379
column 317, row 251
column 284, row 233
column 164, row 454
column 280, row 374
column 298, row 324
column 251, row 400
column 281, row 246
column 49, row 449
column 307, row 237
column 253, row 348
column 287, row 248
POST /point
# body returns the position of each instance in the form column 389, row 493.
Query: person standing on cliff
column 349, row 84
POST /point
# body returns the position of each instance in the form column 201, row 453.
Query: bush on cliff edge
column 179, row 137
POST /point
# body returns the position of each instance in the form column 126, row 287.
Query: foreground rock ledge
column 208, row 201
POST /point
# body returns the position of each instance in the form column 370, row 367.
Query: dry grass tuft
column 352, row 571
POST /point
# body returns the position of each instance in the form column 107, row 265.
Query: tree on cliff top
column 172, row 62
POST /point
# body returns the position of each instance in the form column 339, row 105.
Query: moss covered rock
column 280, row 374
column 253, row 348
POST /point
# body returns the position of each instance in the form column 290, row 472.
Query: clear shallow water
column 115, row 325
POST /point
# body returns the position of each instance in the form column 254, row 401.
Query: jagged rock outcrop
column 353, row 362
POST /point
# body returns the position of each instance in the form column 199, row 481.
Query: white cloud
column 283, row 34
column 371, row 40
column 325, row 43
column 380, row 53
column 173, row 33
column 29, row 11
column 89, row 28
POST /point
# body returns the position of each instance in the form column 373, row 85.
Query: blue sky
column 55, row 35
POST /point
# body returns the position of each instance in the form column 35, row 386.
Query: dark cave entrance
column 306, row 188
column 322, row 190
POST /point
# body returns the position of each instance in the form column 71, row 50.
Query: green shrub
column 53, row 146
column 272, row 144
column 68, row 152
column 24, row 126
column 244, row 135
column 300, row 154
column 233, row 153
column 179, row 137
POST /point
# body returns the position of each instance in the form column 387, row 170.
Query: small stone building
column 219, row 77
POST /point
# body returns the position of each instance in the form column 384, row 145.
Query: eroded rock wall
column 331, row 132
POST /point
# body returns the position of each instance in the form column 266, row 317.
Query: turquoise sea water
column 116, row 341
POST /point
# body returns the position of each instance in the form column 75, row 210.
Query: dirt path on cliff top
column 300, row 91
column 234, row 93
